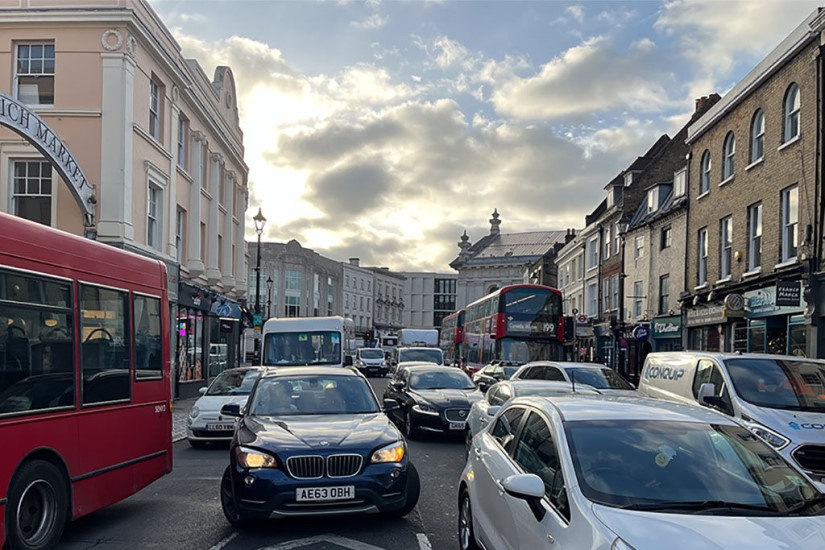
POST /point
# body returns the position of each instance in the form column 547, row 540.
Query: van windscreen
column 779, row 383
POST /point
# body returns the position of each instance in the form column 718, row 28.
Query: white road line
column 339, row 541
column 423, row 542
column 224, row 542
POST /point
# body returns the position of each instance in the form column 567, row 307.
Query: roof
column 310, row 371
column 670, row 205
column 534, row 243
column 422, row 365
column 688, row 355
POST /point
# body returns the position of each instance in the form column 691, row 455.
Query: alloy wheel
column 465, row 523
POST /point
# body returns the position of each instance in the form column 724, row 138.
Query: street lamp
column 259, row 220
column 269, row 282
column 623, row 228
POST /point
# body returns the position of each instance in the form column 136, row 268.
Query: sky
column 383, row 130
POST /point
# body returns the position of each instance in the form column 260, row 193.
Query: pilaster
column 213, row 270
column 195, row 262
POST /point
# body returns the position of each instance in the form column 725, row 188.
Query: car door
column 535, row 452
column 478, row 418
column 492, row 463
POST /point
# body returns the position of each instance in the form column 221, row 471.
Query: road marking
column 339, row 541
column 423, row 542
column 224, row 542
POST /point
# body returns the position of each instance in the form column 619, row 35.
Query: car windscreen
column 601, row 379
column 779, row 383
column 509, row 372
column 684, row 467
column 233, row 383
column 423, row 355
column 305, row 395
column 448, row 379
column 302, row 348
column 371, row 354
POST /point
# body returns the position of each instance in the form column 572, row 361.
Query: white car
column 619, row 473
column 485, row 409
column 205, row 423
column 604, row 379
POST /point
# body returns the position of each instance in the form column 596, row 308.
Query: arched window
column 729, row 153
column 792, row 105
column 704, row 177
column 758, row 136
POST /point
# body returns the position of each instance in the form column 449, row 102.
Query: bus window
column 104, row 348
column 148, row 358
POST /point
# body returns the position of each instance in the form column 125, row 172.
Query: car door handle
column 482, row 420
column 477, row 451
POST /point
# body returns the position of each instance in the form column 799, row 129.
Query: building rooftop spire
column 495, row 223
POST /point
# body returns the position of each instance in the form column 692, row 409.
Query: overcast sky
column 384, row 129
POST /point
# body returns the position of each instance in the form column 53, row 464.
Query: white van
column 304, row 341
column 779, row 398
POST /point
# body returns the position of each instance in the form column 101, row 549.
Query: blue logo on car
column 806, row 426
column 794, row 425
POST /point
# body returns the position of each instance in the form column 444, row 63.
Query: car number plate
column 220, row 427
column 324, row 494
column 457, row 425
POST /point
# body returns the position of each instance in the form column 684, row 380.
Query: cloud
column 450, row 52
column 576, row 11
column 349, row 190
column 374, row 21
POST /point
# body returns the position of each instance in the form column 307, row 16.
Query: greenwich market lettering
column 664, row 373
column 27, row 124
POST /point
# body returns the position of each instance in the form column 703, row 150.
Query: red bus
column 515, row 324
column 85, row 417
column 452, row 333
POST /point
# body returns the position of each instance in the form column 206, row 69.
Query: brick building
column 752, row 223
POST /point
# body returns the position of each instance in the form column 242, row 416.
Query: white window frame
column 754, row 236
column 679, row 181
column 593, row 253
column 792, row 109
column 617, row 239
column 180, row 233
column 666, row 237
column 592, row 299
column 154, row 233
column 606, row 294
column 607, row 242
column 706, row 166
column 614, row 282
column 653, row 200
column 702, row 256
column 17, row 75
column 663, row 304
column 183, row 142
column 155, row 109
column 729, row 157
column 758, row 136
column 12, row 204
column 790, row 223
column 725, row 246
column 639, row 247
column 638, row 298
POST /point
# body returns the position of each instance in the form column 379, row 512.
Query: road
column 182, row 511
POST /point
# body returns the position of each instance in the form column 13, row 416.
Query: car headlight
column 770, row 437
column 194, row 412
column 250, row 458
column 391, row 453
column 619, row 544
column 423, row 408
column 359, row 363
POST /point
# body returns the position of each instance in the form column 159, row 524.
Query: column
column 213, row 270
column 171, row 188
column 241, row 284
column 195, row 262
column 116, row 144
column 228, row 279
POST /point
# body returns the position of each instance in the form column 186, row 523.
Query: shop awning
column 226, row 309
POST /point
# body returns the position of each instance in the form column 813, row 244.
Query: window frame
column 705, row 169
column 180, row 233
column 757, row 137
column 183, row 143
column 785, row 207
column 725, row 247
column 133, row 366
column 12, row 194
column 638, row 299
column 729, row 157
column 792, row 112
column 664, row 293
column 666, row 237
column 754, row 211
column 16, row 75
column 157, row 217
column 156, row 108
column 679, row 176
column 702, row 256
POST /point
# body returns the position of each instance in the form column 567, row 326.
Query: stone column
column 228, row 279
column 195, row 262
column 171, row 189
column 213, row 270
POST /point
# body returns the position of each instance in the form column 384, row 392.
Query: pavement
column 182, row 511
column 180, row 412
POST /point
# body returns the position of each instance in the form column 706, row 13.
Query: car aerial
column 604, row 379
column 431, row 398
column 313, row 441
column 206, row 423
column 620, row 473
column 484, row 410
column 370, row 361
column 418, row 355
column 493, row 373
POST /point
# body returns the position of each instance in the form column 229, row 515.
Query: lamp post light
column 623, row 228
column 269, row 282
column 260, row 221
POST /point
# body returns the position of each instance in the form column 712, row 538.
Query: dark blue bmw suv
column 314, row 441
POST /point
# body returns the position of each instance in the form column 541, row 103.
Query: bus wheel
column 37, row 507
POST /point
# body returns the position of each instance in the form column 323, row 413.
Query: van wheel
column 37, row 507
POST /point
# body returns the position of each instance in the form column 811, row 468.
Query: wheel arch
column 48, row 454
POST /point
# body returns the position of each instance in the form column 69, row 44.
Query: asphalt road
column 182, row 511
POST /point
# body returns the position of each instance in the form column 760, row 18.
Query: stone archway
column 21, row 120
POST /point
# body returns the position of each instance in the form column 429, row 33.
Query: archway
column 21, row 120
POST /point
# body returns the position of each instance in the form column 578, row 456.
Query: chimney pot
column 355, row 261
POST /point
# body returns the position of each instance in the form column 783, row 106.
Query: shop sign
column 584, row 331
column 582, row 319
column 193, row 297
column 258, row 320
column 667, row 327
column 734, row 304
column 788, row 293
column 706, row 315
column 765, row 302
column 640, row 333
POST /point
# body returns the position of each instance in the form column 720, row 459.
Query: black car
column 314, row 441
column 493, row 374
column 431, row 398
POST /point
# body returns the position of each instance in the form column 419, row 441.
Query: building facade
column 428, row 298
column 159, row 141
column 753, row 236
column 387, row 300
column 358, row 295
column 570, row 265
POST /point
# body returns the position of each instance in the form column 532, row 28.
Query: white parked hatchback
column 603, row 378
column 619, row 473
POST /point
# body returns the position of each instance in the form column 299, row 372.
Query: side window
column 36, row 344
column 707, row 373
column 529, row 374
column 506, row 426
column 148, row 356
column 536, row 454
column 552, row 373
column 104, row 344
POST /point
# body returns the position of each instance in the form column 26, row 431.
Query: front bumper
column 377, row 369
column 272, row 493
column 438, row 422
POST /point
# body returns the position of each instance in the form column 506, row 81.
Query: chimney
column 571, row 234
column 705, row 102
column 355, row 261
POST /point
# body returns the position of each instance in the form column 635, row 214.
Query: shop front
column 637, row 342
column 604, row 351
column 193, row 326
column 776, row 320
column 666, row 333
column 225, row 336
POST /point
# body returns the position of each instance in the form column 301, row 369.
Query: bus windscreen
column 532, row 302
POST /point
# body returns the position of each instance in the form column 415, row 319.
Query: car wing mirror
column 231, row 409
column 528, row 487
column 202, row 390
column 706, row 391
column 390, row 405
column 348, row 360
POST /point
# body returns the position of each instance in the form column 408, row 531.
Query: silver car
column 206, row 423
column 603, row 378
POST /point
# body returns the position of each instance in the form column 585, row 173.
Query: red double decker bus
column 451, row 337
column 515, row 324
column 85, row 417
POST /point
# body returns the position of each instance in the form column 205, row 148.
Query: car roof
column 686, row 355
column 310, row 371
column 538, row 384
column 577, row 407
column 564, row 364
column 417, row 347
column 421, row 365
column 244, row 369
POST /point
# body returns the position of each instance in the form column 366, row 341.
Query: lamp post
column 259, row 220
column 269, row 282
column 623, row 227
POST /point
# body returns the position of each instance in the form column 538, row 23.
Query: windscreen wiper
column 808, row 503
column 697, row 506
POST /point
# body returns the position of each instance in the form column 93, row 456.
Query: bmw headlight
column 769, row 436
column 251, row 458
column 391, row 453
column 194, row 412
column 619, row 544
column 423, row 408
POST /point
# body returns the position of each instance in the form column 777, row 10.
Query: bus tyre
column 37, row 508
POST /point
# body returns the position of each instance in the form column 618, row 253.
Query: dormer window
column 679, row 182
column 628, row 179
column 653, row 199
column 614, row 195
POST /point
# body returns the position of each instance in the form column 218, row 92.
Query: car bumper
column 436, row 423
column 194, row 433
column 272, row 493
column 380, row 370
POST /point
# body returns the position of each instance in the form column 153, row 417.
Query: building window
column 729, row 153
column 330, row 296
column 155, row 108
column 153, row 217
column 607, row 242
column 637, row 299
column 704, row 181
column 203, row 242
column 32, row 191
column 592, row 299
column 792, row 106
column 653, row 200
column 606, row 295
column 758, row 136
column 292, row 294
column 293, row 306
column 183, row 140
column 639, row 247
column 34, row 74
column 725, row 246
column 221, row 185
column 664, row 293
column 615, row 284
column 593, row 253
column 790, row 223
column 679, row 179
column 180, row 232
column 702, row 243
column 346, row 281
column 617, row 239
column 754, row 236
column 316, row 296
column 666, row 231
